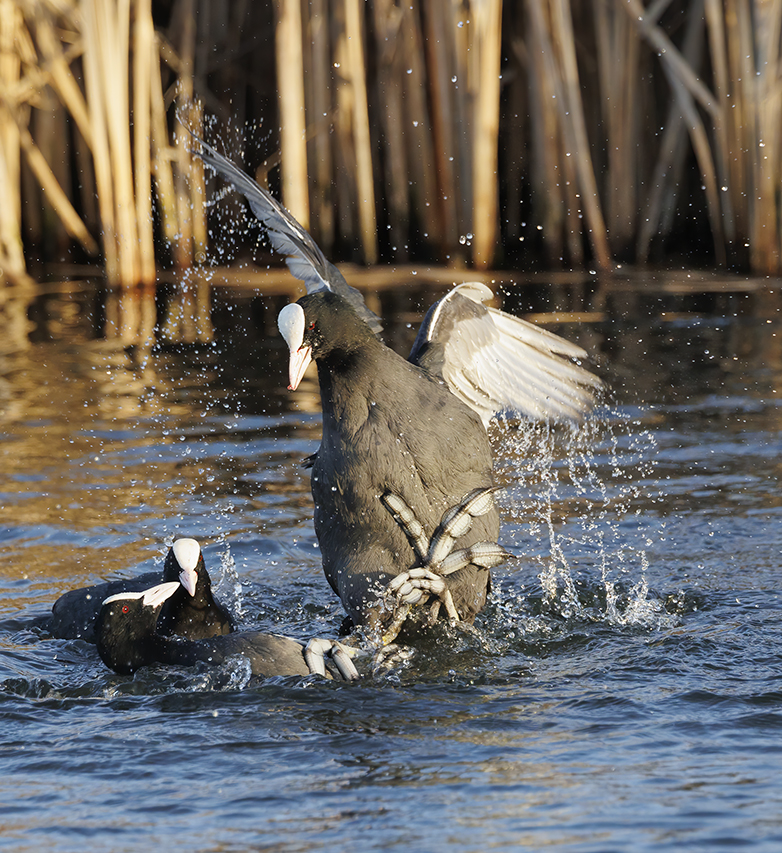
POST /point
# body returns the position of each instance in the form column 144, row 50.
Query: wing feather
column 302, row 254
column 495, row 362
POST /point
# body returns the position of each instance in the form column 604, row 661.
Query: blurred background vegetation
column 534, row 133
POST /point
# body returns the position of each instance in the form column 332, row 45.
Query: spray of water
column 573, row 505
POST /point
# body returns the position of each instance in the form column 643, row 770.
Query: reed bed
column 463, row 132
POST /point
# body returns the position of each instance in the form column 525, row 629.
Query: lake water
column 622, row 691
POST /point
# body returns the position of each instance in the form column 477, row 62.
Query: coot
column 191, row 612
column 412, row 427
column 128, row 638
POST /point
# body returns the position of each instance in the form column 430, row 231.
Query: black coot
column 128, row 638
column 191, row 612
column 415, row 427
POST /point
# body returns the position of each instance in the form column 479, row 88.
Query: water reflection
column 557, row 722
column 169, row 408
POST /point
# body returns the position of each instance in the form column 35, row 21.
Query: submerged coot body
column 128, row 638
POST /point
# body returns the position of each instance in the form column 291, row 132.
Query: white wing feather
column 495, row 362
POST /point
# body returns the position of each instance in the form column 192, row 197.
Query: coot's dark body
column 127, row 638
column 388, row 425
column 191, row 611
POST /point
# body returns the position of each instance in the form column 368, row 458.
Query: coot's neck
column 348, row 376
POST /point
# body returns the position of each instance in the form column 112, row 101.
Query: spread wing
column 495, row 362
column 303, row 256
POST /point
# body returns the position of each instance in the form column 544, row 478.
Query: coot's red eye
column 125, row 608
column 312, row 325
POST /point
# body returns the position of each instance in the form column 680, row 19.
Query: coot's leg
column 436, row 557
column 316, row 651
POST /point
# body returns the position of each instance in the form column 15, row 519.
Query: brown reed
column 458, row 130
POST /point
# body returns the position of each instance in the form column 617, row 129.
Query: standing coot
column 414, row 428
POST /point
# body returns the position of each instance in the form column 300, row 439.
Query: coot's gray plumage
column 388, row 426
column 415, row 427
column 128, row 637
column 192, row 612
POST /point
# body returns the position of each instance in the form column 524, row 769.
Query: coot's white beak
column 291, row 323
column 188, row 578
column 300, row 360
column 187, row 553
column 152, row 597
column 155, row 596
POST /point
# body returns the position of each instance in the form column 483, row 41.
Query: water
column 622, row 691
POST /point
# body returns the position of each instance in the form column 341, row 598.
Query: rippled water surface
column 623, row 690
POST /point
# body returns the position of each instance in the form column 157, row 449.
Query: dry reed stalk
column 515, row 130
column 486, row 32
column 667, row 176
column 362, row 140
column 700, row 144
column 54, row 192
column 387, row 21
column 670, row 55
column 766, row 236
column 344, row 143
column 198, row 189
column 162, row 156
column 114, row 23
column 619, row 70
column 183, row 246
column 11, row 248
column 290, row 90
column 144, row 57
column 731, row 21
column 731, row 163
column 93, row 74
column 26, row 89
column 318, row 79
column 416, row 125
column 544, row 126
column 48, row 125
column 458, row 71
column 203, row 309
column 435, row 40
column 772, row 120
column 687, row 88
column 557, row 200
column 563, row 27
column 60, row 76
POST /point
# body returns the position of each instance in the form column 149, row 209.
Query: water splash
column 232, row 229
column 234, row 674
column 228, row 587
column 573, row 503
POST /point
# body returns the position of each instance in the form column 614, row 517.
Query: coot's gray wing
column 304, row 258
column 495, row 362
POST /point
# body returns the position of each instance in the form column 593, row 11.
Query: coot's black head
column 125, row 628
column 321, row 325
column 185, row 564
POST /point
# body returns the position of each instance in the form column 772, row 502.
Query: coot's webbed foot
column 436, row 558
column 316, row 651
